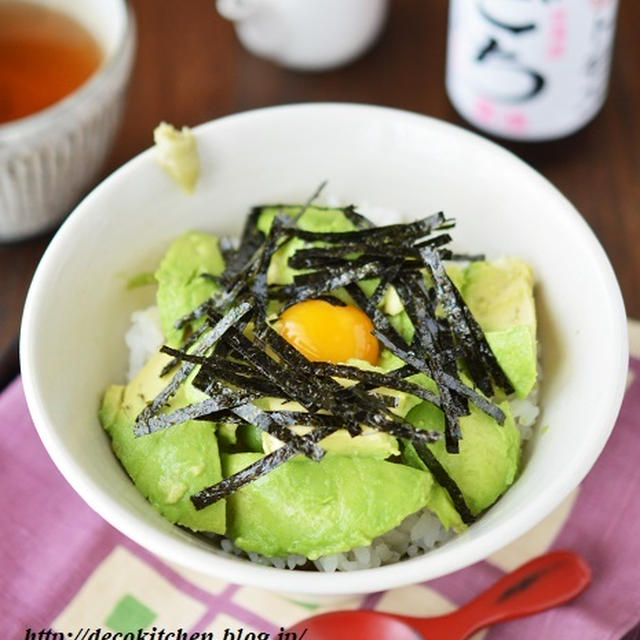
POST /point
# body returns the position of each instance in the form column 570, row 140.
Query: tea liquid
column 44, row 55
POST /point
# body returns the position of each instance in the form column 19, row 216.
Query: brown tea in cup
column 44, row 56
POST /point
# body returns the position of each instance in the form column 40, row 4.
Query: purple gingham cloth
column 51, row 542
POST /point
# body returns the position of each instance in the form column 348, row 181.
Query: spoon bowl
column 544, row 582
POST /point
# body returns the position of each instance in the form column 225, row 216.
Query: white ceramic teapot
column 306, row 34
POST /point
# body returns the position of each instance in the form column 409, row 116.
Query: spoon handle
column 540, row 584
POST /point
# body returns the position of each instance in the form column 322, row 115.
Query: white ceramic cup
column 50, row 158
column 309, row 35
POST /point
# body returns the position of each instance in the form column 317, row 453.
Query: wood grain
column 190, row 68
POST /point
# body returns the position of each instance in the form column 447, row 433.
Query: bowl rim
column 320, row 583
column 16, row 133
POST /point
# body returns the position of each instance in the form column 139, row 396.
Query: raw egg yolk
column 329, row 333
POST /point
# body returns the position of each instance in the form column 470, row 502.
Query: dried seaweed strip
column 426, row 329
column 488, row 356
column 478, row 355
column 250, row 242
column 375, row 315
column 313, row 285
column 186, row 345
column 452, row 308
column 278, row 234
column 308, row 203
column 216, row 369
column 205, row 343
column 306, row 419
column 227, row 248
column 219, row 300
column 225, row 399
column 359, row 221
column 319, row 282
column 393, row 382
column 399, row 428
column 319, row 257
column 278, row 426
column 427, row 335
column 446, row 482
column 327, row 297
column 464, row 257
column 260, row 467
column 432, row 241
column 420, row 365
column 385, row 281
column 447, row 353
column 401, row 232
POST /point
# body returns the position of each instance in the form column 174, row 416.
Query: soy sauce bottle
column 529, row 69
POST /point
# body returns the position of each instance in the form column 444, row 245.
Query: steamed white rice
column 418, row 533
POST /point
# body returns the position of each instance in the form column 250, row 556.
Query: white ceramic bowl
column 77, row 308
column 50, row 158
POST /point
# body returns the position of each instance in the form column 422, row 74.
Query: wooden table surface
column 190, row 68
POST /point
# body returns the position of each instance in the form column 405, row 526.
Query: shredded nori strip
column 227, row 398
column 359, row 221
column 446, row 296
column 311, row 285
column 308, row 203
column 426, row 327
column 444, row 480
column 315, row 257
column 455, row 384
column 206, row 341
column 377, row 379
column 260, row 467
column 187, row 344
column 395, row 233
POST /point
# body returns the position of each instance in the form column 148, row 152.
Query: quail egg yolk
column 329, row 333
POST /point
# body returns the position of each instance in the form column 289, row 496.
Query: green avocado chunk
column 167, row 466
column 180, row 285
column 317, row 508
column 489, row 455
column 515, row 350
column 500, row 296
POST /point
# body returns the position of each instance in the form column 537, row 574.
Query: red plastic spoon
column 542, row 583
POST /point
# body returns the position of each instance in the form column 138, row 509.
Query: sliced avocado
column 489, row 455
column 515, row 349
column 181, row 286
column 500, row 293
column 500, row 296
column 167, row 466
column 316, row 508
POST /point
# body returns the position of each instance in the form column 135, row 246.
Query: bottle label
column 529, row 69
